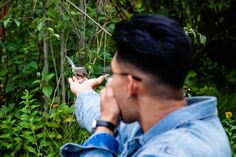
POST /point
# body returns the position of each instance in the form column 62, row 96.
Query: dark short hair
column 156, row 45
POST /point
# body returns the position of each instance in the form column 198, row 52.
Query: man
column 142, row 110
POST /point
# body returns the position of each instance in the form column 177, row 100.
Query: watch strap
column 106, row 124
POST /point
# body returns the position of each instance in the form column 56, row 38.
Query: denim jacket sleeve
column 87, row 108
column 100, row 144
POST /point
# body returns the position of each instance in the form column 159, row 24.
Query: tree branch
column 89, row 17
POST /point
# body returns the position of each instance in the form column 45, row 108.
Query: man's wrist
column 103, row 126
column 110, row 119
column 100, row 129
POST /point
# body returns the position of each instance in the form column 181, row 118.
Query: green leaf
column 24, row 117
column 47, row 90
column 10, row 87
column 53, row 125
column 74, row 13
column 60, row 24
column 34, row 106
column 17, row 23
column 59, row 136
column 3, row 71
column 4, row 126
column 50, row 76
column 11, row 106
column 202, row 39
column 44, row 74
column 36, row 82
column 43, row 143
column 7, row 145
column 5, row 22
column 52, row 135
column 2, row 114
column 40, row 26
column 52, row 12
column 25, row 125
column 32, row 150
column 57, row 36
column 33, row 65
column 7, row 136
column 17, row 147
column 29, row 138
column 4, row 109
column 42, row 134
column 57, row 2
column 50, row 30
column 17, row 139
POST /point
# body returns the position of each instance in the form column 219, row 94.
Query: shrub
column 26, row 131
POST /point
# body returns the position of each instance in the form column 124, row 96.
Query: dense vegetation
column 36, row 106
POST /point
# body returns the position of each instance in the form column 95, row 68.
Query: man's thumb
column 96, row 81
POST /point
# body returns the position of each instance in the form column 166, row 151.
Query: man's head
column 152, row 60
column 155, row 45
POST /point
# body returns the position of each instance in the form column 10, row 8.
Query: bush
column 229, row 124
column 26, row 131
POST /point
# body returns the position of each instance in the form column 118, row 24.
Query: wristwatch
column 103, row 123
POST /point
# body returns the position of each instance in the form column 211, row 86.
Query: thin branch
column 53, row 59
column 73, row 22
column 99, row 10
column 45, row 57
column 120, row 11
column 89, row 17
column 101, row 6
column 5, row 4
column 212, row 39
column 34, row 6
column 62, row 43
column 55, row 91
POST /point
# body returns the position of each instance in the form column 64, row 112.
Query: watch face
column 94, row 123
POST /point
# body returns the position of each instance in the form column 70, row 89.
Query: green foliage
column 196, row 36
column 26, row 128
column 230, row 127
column 29, row 132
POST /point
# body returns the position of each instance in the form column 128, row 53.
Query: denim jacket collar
column 197, row 108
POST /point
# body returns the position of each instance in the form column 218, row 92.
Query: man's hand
column 110, row 110
column 79, row 85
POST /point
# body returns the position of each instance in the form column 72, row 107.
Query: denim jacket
column 192, row 131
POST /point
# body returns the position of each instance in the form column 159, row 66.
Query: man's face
column 119, row 87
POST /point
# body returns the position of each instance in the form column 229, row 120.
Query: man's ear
column 132, row 86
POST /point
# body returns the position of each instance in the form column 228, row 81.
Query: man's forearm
column 87, row 108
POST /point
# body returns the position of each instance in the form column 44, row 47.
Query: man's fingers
column 108, row 88
column 80, row 83
column 70, row 80
column 101, row 79
column 96, row 81
column 78, row 79
column 102, row 91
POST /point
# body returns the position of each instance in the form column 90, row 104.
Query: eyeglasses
column 125, row 74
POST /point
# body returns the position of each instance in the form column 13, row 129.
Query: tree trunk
column 54, row 61
column 45, row 57
column 81, row 38
column 62, row 39
column 100, row 5
column 82, row 6
column 3, row 13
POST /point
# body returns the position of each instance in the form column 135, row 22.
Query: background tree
column 36, row 105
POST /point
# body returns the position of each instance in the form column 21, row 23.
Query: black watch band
column 103, row 123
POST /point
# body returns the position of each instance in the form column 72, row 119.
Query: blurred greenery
column 34, row 118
